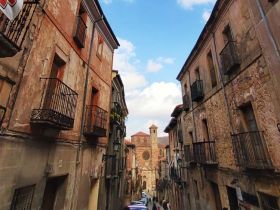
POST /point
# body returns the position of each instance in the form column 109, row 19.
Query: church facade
column 148, row 154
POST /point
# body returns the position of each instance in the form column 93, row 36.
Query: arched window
column 144, row 185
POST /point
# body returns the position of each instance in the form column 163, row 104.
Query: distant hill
column 163, row 140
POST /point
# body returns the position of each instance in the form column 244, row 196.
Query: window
column 269, row 202
column 227, row 34
column 81, row 27
column 186, row 88
column 22, row 198
column 205, row 130
column 5, row 89
column 212, row 69
column 100, row 47
column 197, row 74
column 248, row 121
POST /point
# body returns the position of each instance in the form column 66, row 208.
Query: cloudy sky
column 156, row 37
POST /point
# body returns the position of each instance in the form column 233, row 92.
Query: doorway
column 54, row 194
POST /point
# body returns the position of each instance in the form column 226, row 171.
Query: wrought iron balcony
column 80, row 32
column 12, row 33
column 205, row 152
column 58, row 105
column 229, row 57
column 95, row 121
column 186, row 102
column 250, row 150
column 197, row 90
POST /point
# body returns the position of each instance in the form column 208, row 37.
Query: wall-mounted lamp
column 116, row 145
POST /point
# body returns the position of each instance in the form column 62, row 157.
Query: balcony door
column 54, row 95
column 252, row 139
column 93, row 109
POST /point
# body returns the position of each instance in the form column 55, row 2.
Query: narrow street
column 150, row 206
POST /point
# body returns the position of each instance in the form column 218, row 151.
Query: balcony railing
column 197, row 90
column 229, row 57
column 186, row 102
column 58, row 105
column 250, row 150
column 95, row 121
column 12, row 33
column 205, row 152
column 80, row 32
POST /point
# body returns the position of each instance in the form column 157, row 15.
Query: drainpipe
column 84, row 106
column 223, row 87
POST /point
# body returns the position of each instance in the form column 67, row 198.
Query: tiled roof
column 140, row 134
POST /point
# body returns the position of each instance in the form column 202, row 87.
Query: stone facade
column 148, row 154
column 230, row 115
column 49, row 84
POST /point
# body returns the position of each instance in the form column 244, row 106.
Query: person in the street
column 164, row 205
column 168, row 206
column 154, row 206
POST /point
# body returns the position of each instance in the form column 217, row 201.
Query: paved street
column 150, row 206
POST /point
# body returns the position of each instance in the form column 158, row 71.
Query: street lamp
column 116, row 145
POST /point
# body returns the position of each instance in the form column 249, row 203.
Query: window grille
column 22, row 198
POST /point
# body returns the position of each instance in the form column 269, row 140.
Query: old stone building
column 114, row 182
column 132, row 191
column 55, row 91
column 148, row 154
column 230, row 116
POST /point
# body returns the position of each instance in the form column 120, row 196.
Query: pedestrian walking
column 154, row 207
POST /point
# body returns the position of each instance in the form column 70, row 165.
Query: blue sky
column 156, row 37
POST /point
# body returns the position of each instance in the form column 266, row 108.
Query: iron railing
column 250, row 150
column 58, row 105
column 186, row 102
column 13, row 33
column 205, row 152
column 197, row 90
column 229, row 57
column 80, row 32
column 95, row 121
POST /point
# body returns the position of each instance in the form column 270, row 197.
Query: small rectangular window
column 100, row 47
column 22, row 198
column 227, row 34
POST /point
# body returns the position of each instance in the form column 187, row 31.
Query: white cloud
column 154, row 104
column 110, row 1
column 153, row 66
column 187, row 4
column 148, row 103
column 206, row 15
column 157, row 64
column 126, row 62
column 107, row 1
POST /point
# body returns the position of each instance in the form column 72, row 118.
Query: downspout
column 223, row 87
column 78, row 161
